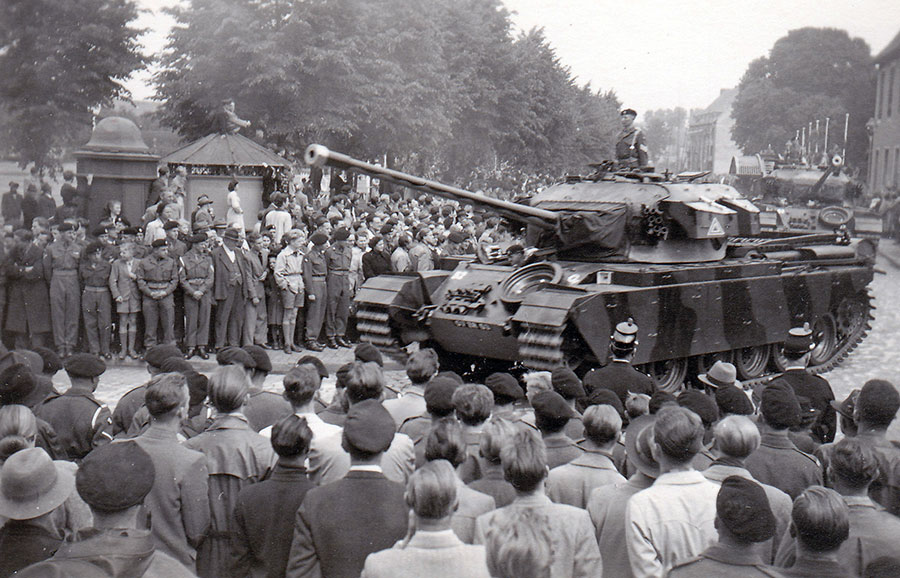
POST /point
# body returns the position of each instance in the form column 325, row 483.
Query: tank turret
column 624, row 216
column 682, row 263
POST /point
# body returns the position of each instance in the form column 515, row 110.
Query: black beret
column 198, row 386
column 779, row 405
column 315, row 362
column 504, row 387
column 456, row 237
column 374, row 241
column 369, row 427
column 341, row 234
column 159, row 243
column 85, row 365
column 386, row 229
column 701, row 404
column 99, row 230
column 878, row 402
column 93, row 247
column 368, row 352
column 733, row 400
column 439, row 394
column 170, row 225
column 260, row 357
column 232, row 355
column 66, row 227
column 159, row 353
column 318, row 238
column 566, row 383
column 197, row 238
column 175, row 365
column 607, row 397
column 551, row 405
column 659, row 399
column 115, row 476
column 515, row 248
column 130, row 231
column 451, row 375
column 16, row 383
column 628, row 111
column 743, row 508
column 52, row 361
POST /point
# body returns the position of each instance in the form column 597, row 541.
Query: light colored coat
column 471, row 505
column 432, row 554
column 573, row 483
column 575, row 552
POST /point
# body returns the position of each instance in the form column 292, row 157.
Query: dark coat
column 375, row 263
column 227, row 273
column 264, row 522
column 23, row 543
column 820, row 396
column 620, row 378
column 28, row 293
column 341, row 523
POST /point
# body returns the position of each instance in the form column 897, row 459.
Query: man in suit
column 619, row 375
column 575, row 552
column 264, row 513
column 778, row 462
column 433, row 550
column 229, row 288
column 28, row 315
column 339, row 524
column 177, row 507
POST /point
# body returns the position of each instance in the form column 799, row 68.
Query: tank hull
column 688, row 315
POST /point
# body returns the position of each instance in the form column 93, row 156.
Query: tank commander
column 631, row 150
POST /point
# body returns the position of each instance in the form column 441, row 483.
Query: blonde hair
column 520, row 546
column 18, row 429
column 737, row 436
column 228, row 388
column 431, row 490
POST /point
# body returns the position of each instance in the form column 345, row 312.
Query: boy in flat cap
column 196, row 276
column 797, row 351
column 157, row 277
column 113, row 481
column 743, row 519
column 81, row 421
column 341, row 523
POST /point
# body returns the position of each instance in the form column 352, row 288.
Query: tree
column 810, row 74
column 664, row 130
column 61, row 59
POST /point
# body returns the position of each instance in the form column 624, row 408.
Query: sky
column 653, row 53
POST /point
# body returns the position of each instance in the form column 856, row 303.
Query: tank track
column 373, row 323
column 540, row 346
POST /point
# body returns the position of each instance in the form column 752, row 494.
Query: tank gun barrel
column 321, row 156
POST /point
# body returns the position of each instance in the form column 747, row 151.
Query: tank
column 686, row 261
column 801, row 197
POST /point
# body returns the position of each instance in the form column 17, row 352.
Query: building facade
column 884, row 157
column 710, row 146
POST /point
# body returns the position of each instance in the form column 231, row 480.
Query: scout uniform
column 338, row 258
column 315, row 270
column 157, row 273
column 196, row 275
column 81, row 422
column 61, row 262
column 95, row 305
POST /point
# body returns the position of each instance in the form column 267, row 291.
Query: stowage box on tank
column 685, row 261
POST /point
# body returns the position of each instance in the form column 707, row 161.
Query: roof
column 224, row 150
column 710, row 114
column 891, row 50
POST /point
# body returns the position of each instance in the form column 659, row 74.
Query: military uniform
column 155, row 273
column 338, row 258
column 315, row 270
column 631, row 150
column 818, row 391
column 196, row 274
column 61, row 260
column 723, row 562
column 95, row 304
column 81, row 422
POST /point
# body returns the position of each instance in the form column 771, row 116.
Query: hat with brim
column 636, row 433
column 720, row 375
column 32, row 484
column 846, row 407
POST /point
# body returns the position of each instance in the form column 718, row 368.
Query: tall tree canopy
column 810, row 74
column 59, row 59
column 441, row 86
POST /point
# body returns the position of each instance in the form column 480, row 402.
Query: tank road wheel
column 851, row 319
column 751, row 362
column 825, row 338
column 669, row 374
column 779, row 361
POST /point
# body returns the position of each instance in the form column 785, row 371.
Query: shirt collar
column 366, row 468
column 732, row 556
column 680, row 478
